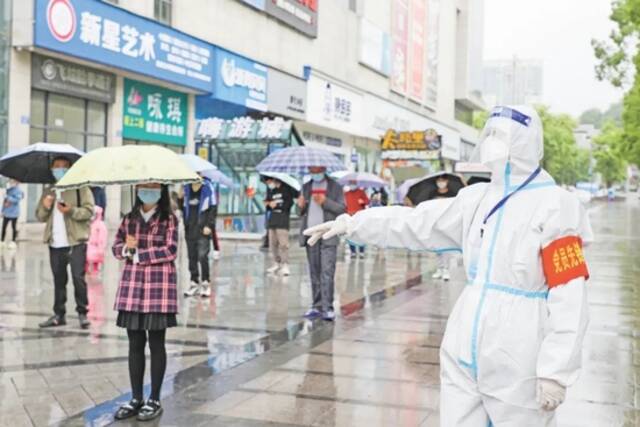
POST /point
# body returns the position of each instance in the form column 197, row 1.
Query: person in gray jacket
column 322, row 199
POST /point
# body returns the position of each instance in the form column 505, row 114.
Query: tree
column 619, row 61
column 562, row 157
column 592, row 116
column 609, row 154
column 597, row 118
column 480, row 118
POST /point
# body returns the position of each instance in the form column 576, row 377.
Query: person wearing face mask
column 322, row 199
column 199, row 209
column 67, row 215
column 11, row 212
column 278, row 202
column 146, row 299
column 513, row 341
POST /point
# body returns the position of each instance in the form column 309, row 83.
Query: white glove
column 550, row 394
column 328, row 229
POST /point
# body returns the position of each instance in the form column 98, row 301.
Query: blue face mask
column 149, row 196
column 317, row 177
column 58, row 173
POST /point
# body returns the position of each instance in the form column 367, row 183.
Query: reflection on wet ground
column 245, row 358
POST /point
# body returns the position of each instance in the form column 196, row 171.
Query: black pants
column 198, row 253
column 61, row 258
column 5, row 222
column 137, row 343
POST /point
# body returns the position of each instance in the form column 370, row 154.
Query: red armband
column 563, row 261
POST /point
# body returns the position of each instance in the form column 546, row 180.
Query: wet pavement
column 244, row 357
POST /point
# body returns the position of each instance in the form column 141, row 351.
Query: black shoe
column 84, row 322
column 53, row 322
column 150, row 410
column 129, row 409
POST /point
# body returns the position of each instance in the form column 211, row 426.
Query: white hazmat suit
column 514, row 338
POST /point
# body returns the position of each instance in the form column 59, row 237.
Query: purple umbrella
column 363, row 180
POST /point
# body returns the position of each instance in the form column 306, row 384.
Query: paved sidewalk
column 245, row 358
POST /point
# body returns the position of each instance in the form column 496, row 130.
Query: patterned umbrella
column 298, row 160
column 363, row 180
column 32, row 164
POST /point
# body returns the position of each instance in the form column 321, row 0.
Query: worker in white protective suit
column 513, row 341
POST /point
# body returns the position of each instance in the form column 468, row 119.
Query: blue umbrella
column 218, row 177
column 298, row 160
column 197, row 163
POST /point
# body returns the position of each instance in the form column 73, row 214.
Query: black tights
column 137, row 342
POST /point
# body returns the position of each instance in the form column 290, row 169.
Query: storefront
column 152, row 115
column 102, row 76
column 412, row 144
column 246, row 117
column 69, row 104
column 334, row 121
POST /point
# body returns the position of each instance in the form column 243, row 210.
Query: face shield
column 504, row 139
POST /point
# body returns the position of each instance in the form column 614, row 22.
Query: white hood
column 512, row 134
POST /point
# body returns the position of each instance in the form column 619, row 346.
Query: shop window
column 65, row 112
column 162, row 11
column 37, row 108
column 68, row 120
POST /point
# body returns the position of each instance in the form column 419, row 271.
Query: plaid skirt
column 146, row 321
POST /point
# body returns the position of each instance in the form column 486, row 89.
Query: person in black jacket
column 199, row 213
column 278, row 202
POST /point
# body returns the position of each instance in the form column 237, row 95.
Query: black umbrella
column 475, row 179
column 32, row 164
column 426, row 188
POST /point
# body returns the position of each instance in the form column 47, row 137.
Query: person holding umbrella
column 279, row 200
column 67, row 215
column 322, row 199
column 146, row 300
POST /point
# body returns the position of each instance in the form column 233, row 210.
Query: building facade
column 233, row 80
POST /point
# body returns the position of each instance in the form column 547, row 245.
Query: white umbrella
column 197, row 163
column 218, row 177
column 285, row 178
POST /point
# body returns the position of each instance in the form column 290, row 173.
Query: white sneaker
column 216, row 255
column 194, row 289
column 12, row 245
column 205, row 290
column 273, row 269
column 445, row 275
column 284, row 270
column 437, row 274
column 362, row 256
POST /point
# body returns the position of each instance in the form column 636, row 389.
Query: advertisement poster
column 416, row 46
column 153, row 113
column 399, row 39
column 431, row 69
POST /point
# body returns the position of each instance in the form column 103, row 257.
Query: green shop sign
column 153, row 113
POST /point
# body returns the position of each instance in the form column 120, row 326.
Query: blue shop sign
column 99, row 32
column 240, row 81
